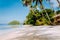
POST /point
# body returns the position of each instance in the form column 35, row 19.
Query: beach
column 32, row 33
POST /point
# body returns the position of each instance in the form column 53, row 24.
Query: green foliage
column 36, row 17
column 58, row 12
column 14, row 22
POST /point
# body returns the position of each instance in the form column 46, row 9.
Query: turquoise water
column 8, row 28
column 5, row 27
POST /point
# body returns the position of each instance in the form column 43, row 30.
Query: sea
column 4, row 28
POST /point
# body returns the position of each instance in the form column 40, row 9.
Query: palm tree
column 51, row 5
column 44, row 9
column 41, row 6
column 36, row 4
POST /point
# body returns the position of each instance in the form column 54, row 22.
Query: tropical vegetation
column 14, row 22
column 43, row 16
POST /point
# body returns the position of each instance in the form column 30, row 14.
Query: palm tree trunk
column 51, row 5
column 45, row 12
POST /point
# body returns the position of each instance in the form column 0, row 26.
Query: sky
column 14, row 10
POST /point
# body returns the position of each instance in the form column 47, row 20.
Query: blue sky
column 14, row 10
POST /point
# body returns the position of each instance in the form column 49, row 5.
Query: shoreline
column 31, row 33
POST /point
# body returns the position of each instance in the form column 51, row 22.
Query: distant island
column 14, row 22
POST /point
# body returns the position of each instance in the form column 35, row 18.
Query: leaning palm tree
column 42, row 8
column 53, row 9
column 51, row 5
column 29, row 2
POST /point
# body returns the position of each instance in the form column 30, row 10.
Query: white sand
column 33, row 33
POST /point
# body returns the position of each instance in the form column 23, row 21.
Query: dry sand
column 33, row 33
